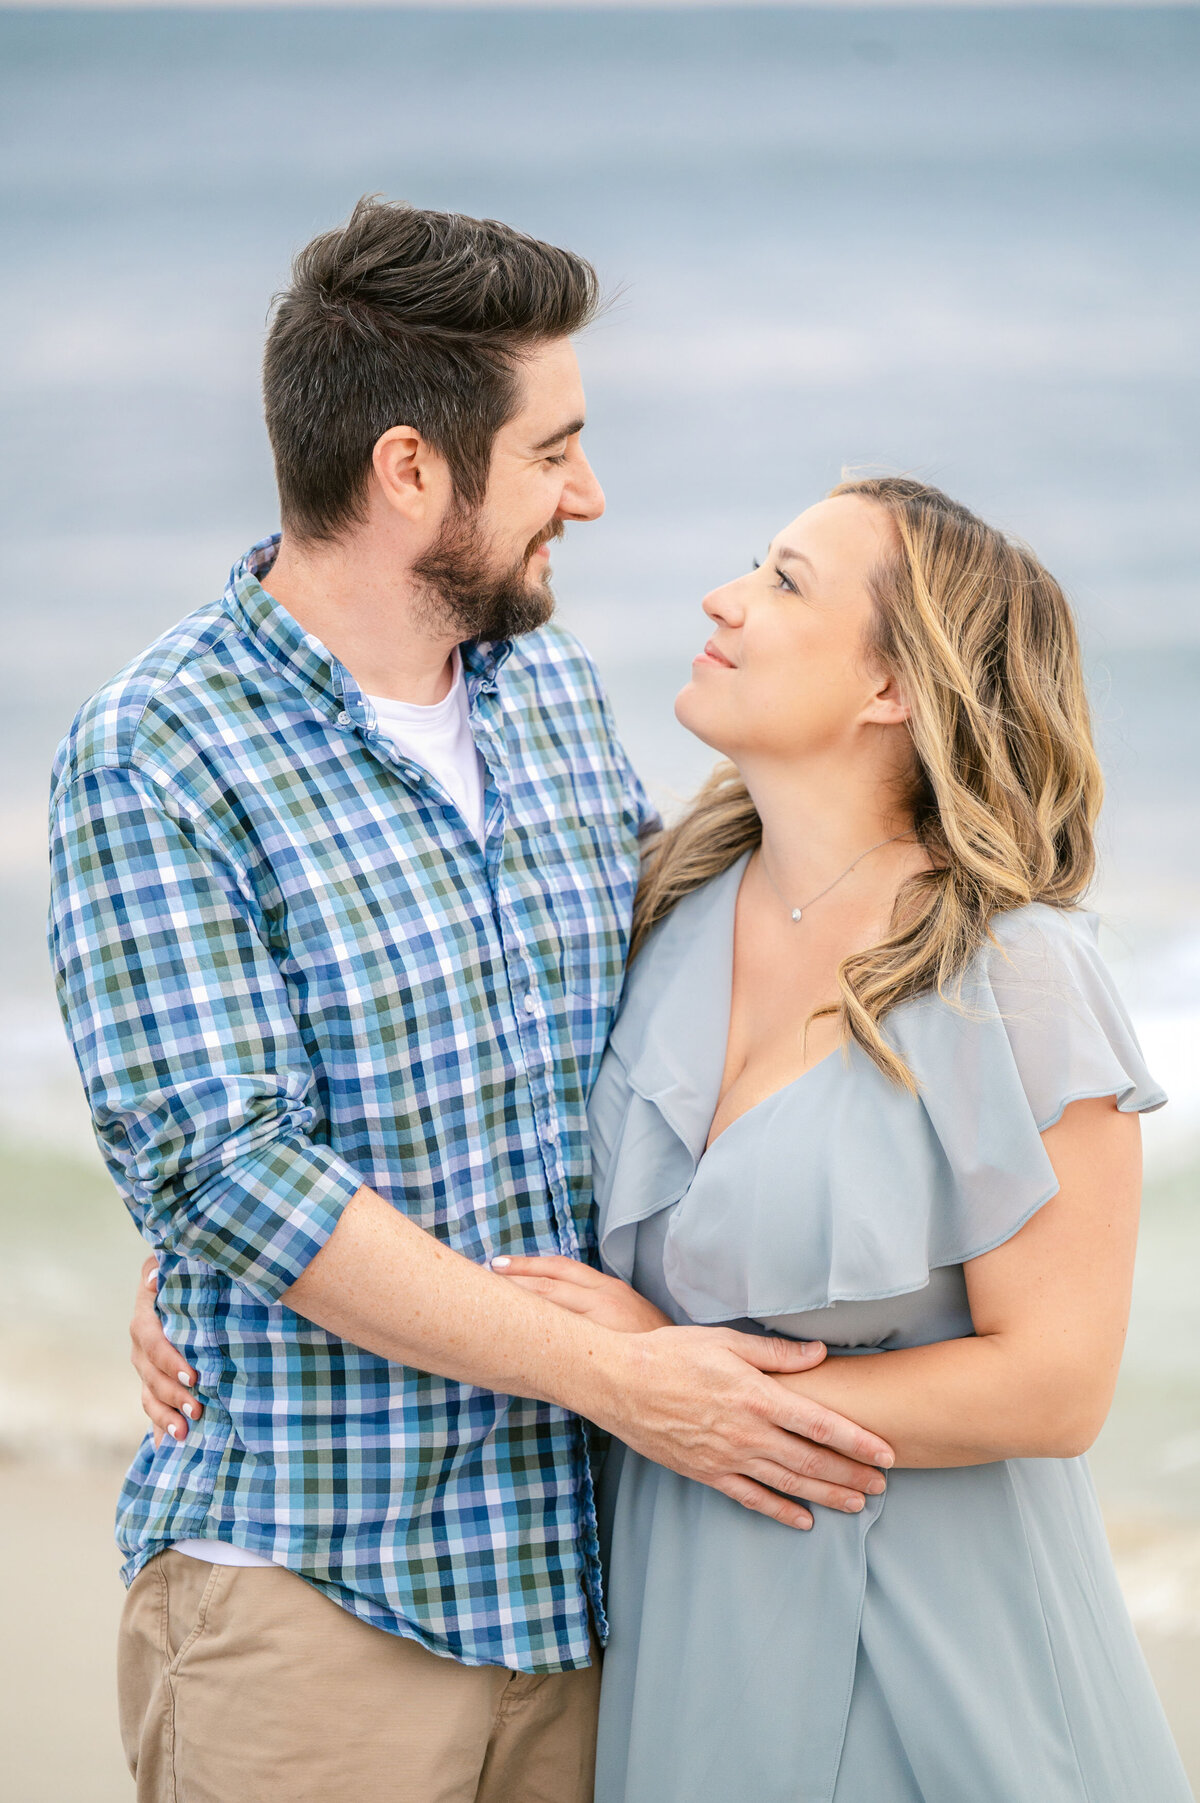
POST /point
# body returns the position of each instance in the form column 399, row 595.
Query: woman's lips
column 710, row 655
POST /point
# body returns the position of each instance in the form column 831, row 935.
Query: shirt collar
column 304, row 658
column 482, row 661
column 276, row 634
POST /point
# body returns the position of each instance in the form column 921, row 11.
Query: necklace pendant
column 797, row 913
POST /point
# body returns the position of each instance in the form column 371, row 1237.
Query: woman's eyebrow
column 785, row 554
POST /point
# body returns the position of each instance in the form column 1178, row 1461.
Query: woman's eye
column 782, row 581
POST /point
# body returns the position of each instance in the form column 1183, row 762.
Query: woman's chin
column 697, row 717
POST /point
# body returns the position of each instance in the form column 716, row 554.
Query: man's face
column 488, row 572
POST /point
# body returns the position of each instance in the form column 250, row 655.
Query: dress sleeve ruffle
column 842, row 1187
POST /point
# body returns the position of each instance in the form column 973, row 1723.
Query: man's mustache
column 546, row 536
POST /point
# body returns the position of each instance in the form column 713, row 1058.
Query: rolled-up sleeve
column 203, row 1099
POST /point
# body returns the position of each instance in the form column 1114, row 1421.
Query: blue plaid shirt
column 287, row 969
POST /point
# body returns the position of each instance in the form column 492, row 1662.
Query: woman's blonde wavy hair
column 1006, row 787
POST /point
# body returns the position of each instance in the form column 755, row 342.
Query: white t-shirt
column 439, row 739
column 218, row 1552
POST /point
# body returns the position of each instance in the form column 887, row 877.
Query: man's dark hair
column 406, row 318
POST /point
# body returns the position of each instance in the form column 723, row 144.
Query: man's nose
column 582, row 496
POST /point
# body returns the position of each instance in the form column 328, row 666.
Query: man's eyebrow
column 567, row 431
column 785, row 554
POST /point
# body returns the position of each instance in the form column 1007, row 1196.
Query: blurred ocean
column 959, row 243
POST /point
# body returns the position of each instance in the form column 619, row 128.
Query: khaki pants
column 243, row 1685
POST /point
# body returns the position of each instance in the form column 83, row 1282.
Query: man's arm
column 699, row 1400
column 196, row 1073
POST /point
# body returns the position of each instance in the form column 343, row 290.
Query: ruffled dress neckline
column 841, row 1186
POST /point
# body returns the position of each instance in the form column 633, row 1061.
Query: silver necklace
column 798, row 913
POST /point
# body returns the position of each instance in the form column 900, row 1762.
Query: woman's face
column 786, row 674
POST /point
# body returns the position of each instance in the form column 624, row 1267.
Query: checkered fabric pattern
column 287, row 968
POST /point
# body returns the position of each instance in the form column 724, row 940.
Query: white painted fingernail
column 185, row 1378
column 190, row 1410
column 173, row 1431
column 151, row 1280
column 501, row 1264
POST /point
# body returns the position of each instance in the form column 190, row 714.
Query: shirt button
column 529, row 1004
column 343, row 719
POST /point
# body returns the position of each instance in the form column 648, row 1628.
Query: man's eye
column 561, row 458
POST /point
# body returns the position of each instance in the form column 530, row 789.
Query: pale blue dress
column 963, row 1640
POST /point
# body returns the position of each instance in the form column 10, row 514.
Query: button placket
column 539, row 1069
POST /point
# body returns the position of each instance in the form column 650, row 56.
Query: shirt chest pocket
column 579, row 881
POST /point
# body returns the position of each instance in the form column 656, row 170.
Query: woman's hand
column 168, row 1384
column 577, row 1287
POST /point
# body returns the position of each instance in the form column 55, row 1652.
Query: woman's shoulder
column 1038, row 934
column 1037, row 1016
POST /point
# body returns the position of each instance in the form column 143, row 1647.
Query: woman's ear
column 888, row 705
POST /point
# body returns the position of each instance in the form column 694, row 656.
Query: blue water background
column 961, row 243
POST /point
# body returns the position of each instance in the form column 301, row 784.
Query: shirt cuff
column 265, row 1217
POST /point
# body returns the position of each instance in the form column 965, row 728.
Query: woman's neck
column 816, row 822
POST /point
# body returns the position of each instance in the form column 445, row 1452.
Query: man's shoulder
column 118, row 726
column 552, row 666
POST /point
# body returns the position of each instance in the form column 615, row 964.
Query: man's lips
column 542, row 543
column 710, row 655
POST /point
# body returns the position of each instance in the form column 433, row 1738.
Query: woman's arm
column 1050, row 1308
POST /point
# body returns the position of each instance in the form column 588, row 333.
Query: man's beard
column 466, row 595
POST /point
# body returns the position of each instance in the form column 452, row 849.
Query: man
column 343, row 869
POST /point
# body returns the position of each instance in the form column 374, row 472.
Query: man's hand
column 168, row 1383
column 700, row 1401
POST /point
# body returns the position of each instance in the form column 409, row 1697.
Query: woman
column 871, row 1084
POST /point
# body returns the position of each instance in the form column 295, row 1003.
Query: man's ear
column 412, row 478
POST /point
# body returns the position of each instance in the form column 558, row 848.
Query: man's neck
column 368, row 615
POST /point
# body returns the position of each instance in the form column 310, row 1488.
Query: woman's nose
column 723, row 606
